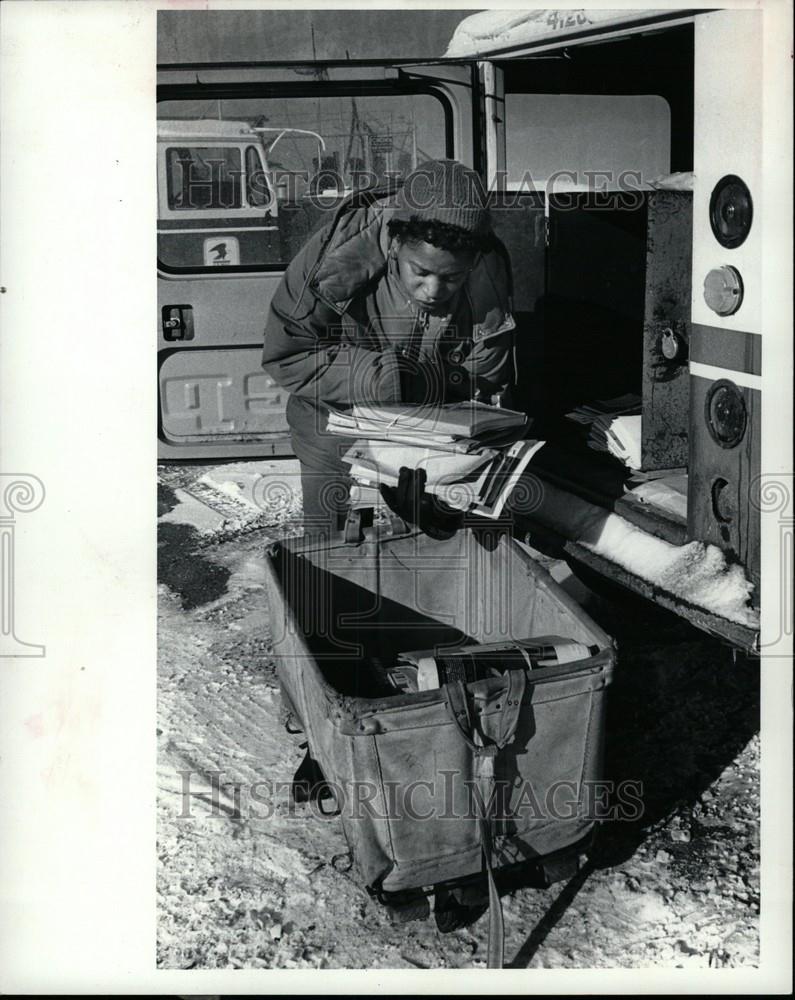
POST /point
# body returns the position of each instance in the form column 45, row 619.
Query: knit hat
column 444, row 191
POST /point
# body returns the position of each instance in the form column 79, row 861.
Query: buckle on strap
column 509, row 717
column 501, row 728
column 354, row 532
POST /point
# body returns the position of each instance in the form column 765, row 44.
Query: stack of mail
column 615, row 427
column 480, row 482
column 587, row 413
column 426, row 669
column 451, row 427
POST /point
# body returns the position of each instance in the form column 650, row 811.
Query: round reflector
column 731, row 211
column 726, row 413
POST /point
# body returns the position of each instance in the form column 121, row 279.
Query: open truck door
column 251, row 160
column 639, row 142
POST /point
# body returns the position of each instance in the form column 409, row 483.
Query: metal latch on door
column 178, row 322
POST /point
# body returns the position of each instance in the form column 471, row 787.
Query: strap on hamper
column 458, row 708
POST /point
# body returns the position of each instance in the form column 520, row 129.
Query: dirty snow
column 224, row 500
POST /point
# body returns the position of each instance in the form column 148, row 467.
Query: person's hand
column 410, row 501
column 405, row 499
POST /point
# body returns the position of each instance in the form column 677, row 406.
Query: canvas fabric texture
column 391, row 593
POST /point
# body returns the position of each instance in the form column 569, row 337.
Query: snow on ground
column 247, row 880
column 223, row 500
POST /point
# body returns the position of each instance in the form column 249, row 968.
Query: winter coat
column 323, row 344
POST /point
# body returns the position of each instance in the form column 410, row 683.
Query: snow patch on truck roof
column 497, row 29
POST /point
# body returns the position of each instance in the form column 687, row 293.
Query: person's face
column 430, row 275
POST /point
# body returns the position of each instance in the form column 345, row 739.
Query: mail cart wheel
column 562, row 865
column 453, row 909
column 405, row 905
column 558, row 870
column 474, row 892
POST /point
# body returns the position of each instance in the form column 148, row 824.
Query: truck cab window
column 206, row 177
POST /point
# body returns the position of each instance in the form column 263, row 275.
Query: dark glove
column 410, row 501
